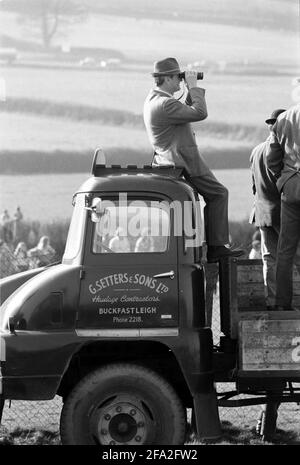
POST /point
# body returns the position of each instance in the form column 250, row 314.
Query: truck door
column 130, row 277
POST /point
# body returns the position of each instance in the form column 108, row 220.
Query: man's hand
column 191, row 78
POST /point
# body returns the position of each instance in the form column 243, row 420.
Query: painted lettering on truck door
column 130, row 270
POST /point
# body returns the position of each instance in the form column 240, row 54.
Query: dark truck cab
column 119, row 328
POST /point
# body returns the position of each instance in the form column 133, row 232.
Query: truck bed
column 268, row 341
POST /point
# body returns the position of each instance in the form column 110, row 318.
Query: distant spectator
column 7, row 227
column 8, row 262
column 119, row 243
column 255, row 252
column 43, row 254
column 145, row 243
column 5, row 217
column 18, row 216
column 32, row 237
column 22, row 257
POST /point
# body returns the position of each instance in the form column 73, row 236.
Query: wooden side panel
column 270, row 344
column 247, row 293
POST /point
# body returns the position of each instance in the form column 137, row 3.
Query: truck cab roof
column 115, row 178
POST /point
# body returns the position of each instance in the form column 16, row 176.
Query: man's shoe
column 217, row 252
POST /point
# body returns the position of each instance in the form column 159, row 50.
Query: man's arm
column 274, row 155
column 179, row 113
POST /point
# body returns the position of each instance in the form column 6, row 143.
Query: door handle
column 197, row 266
column 168, row 274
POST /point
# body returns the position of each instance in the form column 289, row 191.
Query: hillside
column 254, row 13
column 68, row 99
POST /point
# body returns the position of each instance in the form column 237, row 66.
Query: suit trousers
column 215, row 196
column 269, row 244
column 288, row 240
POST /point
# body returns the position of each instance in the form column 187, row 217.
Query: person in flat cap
column 168, row 125
column 266, row 216
column 283, row 160
column 266, row 210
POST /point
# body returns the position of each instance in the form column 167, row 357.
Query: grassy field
column 48, row 196
column 72, row 110
column 238, row 428
column 244, row 99
column 254, row 13
column 48, row 134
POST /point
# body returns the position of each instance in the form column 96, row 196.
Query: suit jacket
column 283, row 154
column 169, row 130
column 266, row 211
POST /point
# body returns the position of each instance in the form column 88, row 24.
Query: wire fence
column 45, row 415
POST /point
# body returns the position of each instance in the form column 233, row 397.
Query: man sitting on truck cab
column 167, row 122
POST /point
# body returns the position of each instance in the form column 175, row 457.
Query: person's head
column 43, row 242
column 256, row 245
column 166, row 75
column 273, row 117
column 21, row 247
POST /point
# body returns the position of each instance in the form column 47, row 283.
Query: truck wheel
column 123, row 404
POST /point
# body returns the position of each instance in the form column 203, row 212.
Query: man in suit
column 283, row 160
column 266, row 211
column 266, row 215
column 170, row 133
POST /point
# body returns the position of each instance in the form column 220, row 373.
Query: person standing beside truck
column 266, row 211
column 266, row 216
column 170, row 133
column 283, row 160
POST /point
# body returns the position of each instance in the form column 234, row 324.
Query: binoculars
column 199, row 75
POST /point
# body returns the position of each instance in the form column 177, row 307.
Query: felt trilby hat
column 274, row 116
column 166, row 67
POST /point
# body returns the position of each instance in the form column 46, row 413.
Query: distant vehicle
column 110, row 63
column 87, row 61
column 104, row 63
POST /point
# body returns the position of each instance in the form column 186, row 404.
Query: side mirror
column 97, row 209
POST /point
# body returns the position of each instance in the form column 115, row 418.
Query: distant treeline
column 38, row 161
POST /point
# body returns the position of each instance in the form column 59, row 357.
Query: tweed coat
column 283, row 153
column 266, row 210
column 169, row 130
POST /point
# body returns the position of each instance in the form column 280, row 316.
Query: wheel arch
column 152, row 354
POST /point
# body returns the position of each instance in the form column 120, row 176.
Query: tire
column 123, row 404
